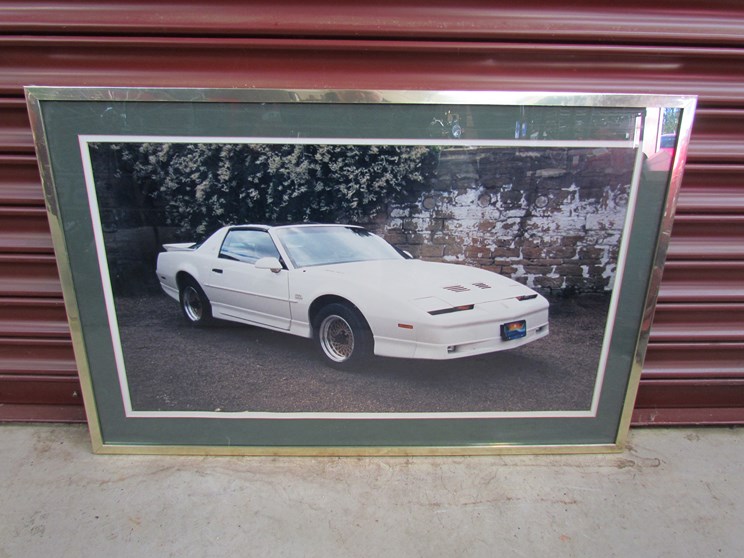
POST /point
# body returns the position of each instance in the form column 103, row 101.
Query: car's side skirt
column 233, row 314
column 301, row 329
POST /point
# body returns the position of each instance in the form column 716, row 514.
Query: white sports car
column 351, row 291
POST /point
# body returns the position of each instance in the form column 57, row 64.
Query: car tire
column 342, row 336
column 195, row 305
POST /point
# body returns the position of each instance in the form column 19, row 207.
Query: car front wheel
column 343, row 336
column 195, row 304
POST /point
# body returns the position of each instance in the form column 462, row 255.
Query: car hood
column 418, row 280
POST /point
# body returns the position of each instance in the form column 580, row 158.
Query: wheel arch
column 182, row 276
column 324, row 300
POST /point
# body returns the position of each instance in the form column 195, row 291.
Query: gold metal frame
column 38, row 96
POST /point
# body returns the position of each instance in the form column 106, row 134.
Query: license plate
column 514, row 330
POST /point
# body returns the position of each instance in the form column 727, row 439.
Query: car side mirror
column 271, row 263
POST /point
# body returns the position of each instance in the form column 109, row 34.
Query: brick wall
column 551, row 218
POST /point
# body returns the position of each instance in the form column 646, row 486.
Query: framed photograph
column 326, row 272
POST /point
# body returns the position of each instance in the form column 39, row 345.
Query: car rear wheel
column 194, row 303
column 343, row 336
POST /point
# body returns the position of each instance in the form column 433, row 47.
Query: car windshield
column 318, row 245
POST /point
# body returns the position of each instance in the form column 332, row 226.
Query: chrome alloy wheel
column 336, row 338
column 192, row 304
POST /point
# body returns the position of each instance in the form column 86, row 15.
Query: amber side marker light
column 454, row 309
column 527, row 297
column 405, row 326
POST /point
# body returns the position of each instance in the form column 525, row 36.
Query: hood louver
column 463, row 288
column 456, row 288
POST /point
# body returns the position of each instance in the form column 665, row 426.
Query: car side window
column 248, row 246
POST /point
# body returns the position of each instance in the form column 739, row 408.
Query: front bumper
column 468, row 333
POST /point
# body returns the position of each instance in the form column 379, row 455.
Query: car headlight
column 435, row 306
column 452, row 309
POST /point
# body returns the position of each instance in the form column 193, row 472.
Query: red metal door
column 693, row 373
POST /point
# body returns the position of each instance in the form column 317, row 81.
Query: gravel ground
column 231, row 367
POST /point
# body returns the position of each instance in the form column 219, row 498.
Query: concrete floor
column 673, row 492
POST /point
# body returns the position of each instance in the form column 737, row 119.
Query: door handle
column 216, row 270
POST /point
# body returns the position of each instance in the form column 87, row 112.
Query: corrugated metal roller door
column 694, row 370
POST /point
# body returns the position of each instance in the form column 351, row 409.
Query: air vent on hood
column 457, row 288
column 482, row 285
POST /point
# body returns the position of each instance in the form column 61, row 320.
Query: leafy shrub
column 201, row 187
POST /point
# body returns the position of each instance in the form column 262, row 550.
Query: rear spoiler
column 179, row 247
